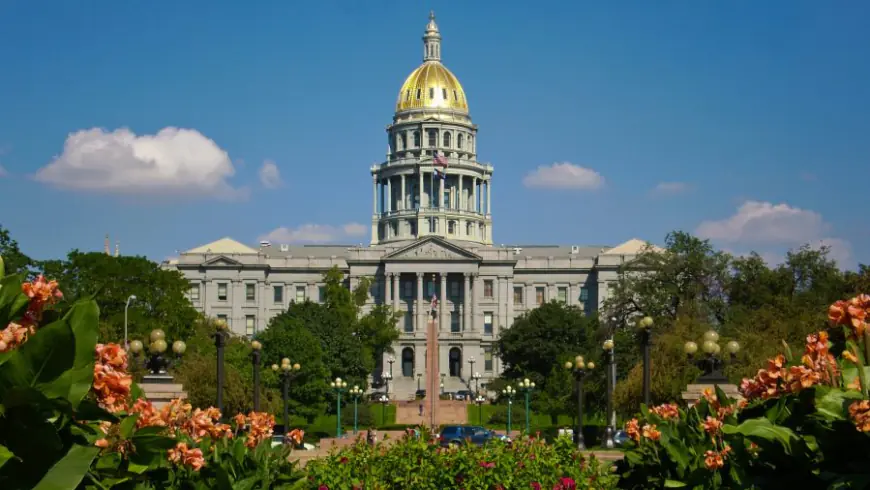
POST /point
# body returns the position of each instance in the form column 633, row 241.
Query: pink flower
column 566, row 483
column 536, row 485
column 487, row 464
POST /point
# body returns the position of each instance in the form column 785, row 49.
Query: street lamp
column 419, row 377
column 384, row 402
column 130, row 298
column 527, row 387
column 509, row 392
column 471, row 362
column 580, row 369
column 339, row 386
column 220, row 340
column 286, row 369
column 479, row 400
column 391, row 360
column 712, row 363
column 387, row 376
column 355, row 392
column 610, row 374
column 476, row 377
column 156, row 361
column 256, row 354
column 443, row 376
column 644, row 325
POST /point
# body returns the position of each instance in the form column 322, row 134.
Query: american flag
column 439, row 159
column 434, row 302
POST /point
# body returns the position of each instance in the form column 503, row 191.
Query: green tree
column 161, row 300
column 13, row 258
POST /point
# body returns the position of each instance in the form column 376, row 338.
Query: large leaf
column 12, row 300
column 763, row 429
column 83, row 318
column 5, row 455
column 833, row 404
column 41, row 360
column 67, row 473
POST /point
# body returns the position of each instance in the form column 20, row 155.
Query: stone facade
column 419, row 248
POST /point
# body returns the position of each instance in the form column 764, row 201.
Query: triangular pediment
column 225, row 245
column 222, row 260
column 632, row 247
column 432, row 248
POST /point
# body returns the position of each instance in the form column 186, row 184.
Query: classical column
column 442, row 297
column 374, row 195
column 402, row 206
column 489, row 196
column 461, row 202
column 396, row 295
column 420, row 190
column 418, row 306
column 530, row 296
column 475, row 302
column 388, row 281
column 466, row 306
column 510, row 303
column 389, row 197
column 474, row 196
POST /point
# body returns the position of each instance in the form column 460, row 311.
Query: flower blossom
column 182, row 455
column 632, row 429
column 860, row 413
column 262, row 425
column 852, row 313
column 40, row 293
column 817, row 366
column 111, row 384
column 666, row 411
column 649, row 431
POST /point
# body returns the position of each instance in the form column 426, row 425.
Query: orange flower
column 296, row 436
column 849, row 356
column 148, row 415
column 262, row 426
column 712, row 426
column 713, row 460
column 182, row 455
column 41, row 290
column 112, row 388
column 240, row 420
column 852, row 313
column 112, row 355
column 855, row 384
column 666, row 411
column 102, row 443
column 632, row 429
column 860, row 413
column 650, row 432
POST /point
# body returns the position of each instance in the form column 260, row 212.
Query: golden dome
column 432, row 86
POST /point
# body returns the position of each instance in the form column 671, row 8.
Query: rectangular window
column 407, row 289
column 563, row 295
column 539, row 296
column 444, row 93
column 430, row 288
column 250, row 325
column 278, row 294
column 194, row 293
column 487, row 289
column 454, row 289
column 518, row 296
column 321, row 293
column 250, row 292
column 300, row 294
column 409, row 322
column 584, row 294
column 487, row 359
column 419, row 92
column 431, row 93
column 454, row 322
column 222, row 291
column 487, row 323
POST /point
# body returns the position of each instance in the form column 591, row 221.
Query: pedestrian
column 421, row 409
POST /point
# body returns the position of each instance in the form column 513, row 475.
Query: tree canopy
column 14, row 260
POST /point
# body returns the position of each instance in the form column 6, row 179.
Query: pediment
column 222, row 260
column 432, row 248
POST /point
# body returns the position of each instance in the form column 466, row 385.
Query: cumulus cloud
column 270, row 176
column 670, row 188
column 564, row 175
column 313, row 233
column 172, row 161
column 766, row 228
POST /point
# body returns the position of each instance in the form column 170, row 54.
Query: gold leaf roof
column 432, row 86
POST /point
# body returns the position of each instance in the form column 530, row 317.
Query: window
column 222, row 291
column 455, row 96
column 444, row 93
column 416, row 139
column 408, row 362
column 404, row 140
column 451, row 225
column 539, row 296
column 250, row 325
column 459, row 141
column 407, row 95
column 487, row 289
column 446, row 139
column 300, row 294
column 430, row 288
column 321, row 293
column 454, row 289
column 454, row 322
column 518, row 296
column 409, row 322
column 433, row 138
column 584, row 294
column 431, row 93
column 563, row 294
column 194, row 293
column 407, row 289
column 278, row 294
column 487, row 359
column 419, row 93
column 487, row 323
column 250, row 292
column 455, row 362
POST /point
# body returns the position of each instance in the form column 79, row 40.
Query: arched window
column 469, row 229
column 404, row 141
column 416, row 139
column 455, row 362
column 459, row 141
column 446, row 139
column 433, row 138
column 408, row 362
column 451, row 227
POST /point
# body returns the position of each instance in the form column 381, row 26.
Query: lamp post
column 419, row 377
column 610, row 374
column 339, row 386
column 384, row 402
column 130, row 298
column 286, row 369
column 391, row 360
column 479, row 400
column 580, row 368
column 387, row 376
column 527, row 387
column 355, row 392
column 443, row 376
column 644, row 325
column 476, row 377
column 509, row 392
column 471, row 362
column 220, row 340
column 711, row 364
column 256, row 354
column 157, row 363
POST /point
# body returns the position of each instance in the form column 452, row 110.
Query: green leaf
column 674, row 484
column 833, row 404
column 83, row 318
column 761, row 428
column 152, row 443
column 40, row 361
column 5, row 453
column 12, row 300
column 128, row 425
column 67, row 473
column 724, row 400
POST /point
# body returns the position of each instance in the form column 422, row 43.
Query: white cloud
column 173, row 161
column 767, row 228
column 564, row 175
column 670, row 188
column 312, row 233
column 270, row 176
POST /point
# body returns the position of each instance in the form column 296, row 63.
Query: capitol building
column 431, row 235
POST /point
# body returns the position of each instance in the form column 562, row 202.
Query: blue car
column 455, row 435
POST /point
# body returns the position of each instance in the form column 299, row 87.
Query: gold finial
column 106, row 245
column 431, row 15
column 117, row 248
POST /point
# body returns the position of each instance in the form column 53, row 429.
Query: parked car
column 621, row 439
column 420, row 394
column 464, row 395
column 454, row 435
column 376, row 396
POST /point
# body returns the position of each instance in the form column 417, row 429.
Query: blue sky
column 743, row 121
